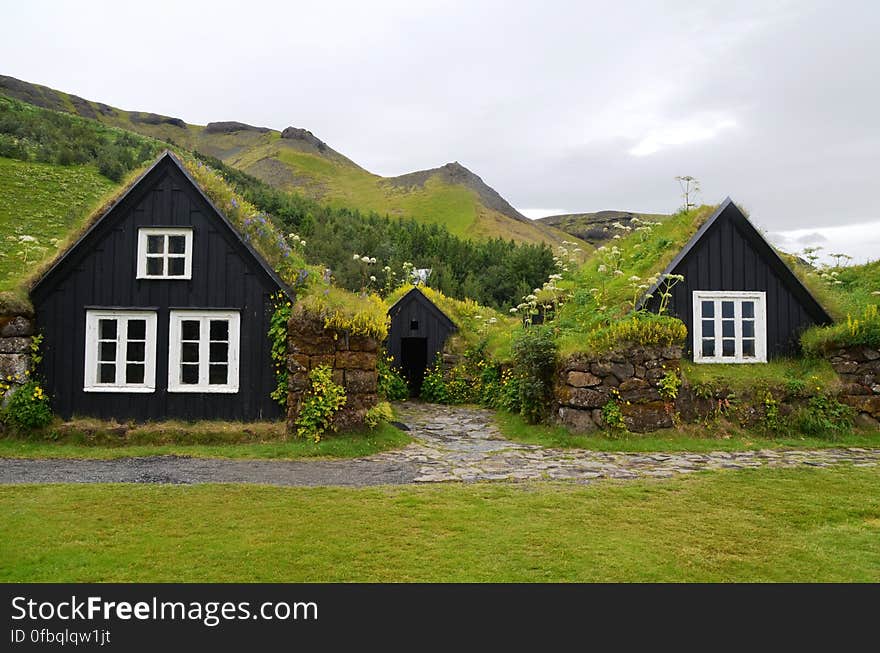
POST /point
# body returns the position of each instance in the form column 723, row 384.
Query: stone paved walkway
column 463, row 444
column 452, row 444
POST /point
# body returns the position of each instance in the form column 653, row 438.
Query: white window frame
column 91, row 381
column 145, row 232
column 737, row 297
column 174, row 350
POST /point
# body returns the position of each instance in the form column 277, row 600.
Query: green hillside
column 294, row 159
column 40, row 203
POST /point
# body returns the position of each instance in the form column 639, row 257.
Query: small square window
column 164, row 253
column 413, row 325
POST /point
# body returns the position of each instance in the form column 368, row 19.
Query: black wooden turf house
column 160, row 310
column 740, row 301
column 418, row 333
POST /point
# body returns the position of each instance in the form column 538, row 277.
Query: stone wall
column 859, row 371
column 352, row 358
column 585, row 384
column 15, row 350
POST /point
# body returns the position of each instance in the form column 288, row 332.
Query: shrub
column 379, row 413
column 28, row 408
column 612, row 417
column 434, row 385
column 323, row 399
column 534, row 364
column 646, row 329
column 669, row 385
column 861, row 330
column 392, row 386
column 824, row 416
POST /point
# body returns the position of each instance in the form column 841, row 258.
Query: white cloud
column 861, row 241
column 534, row 214
column 681, row 133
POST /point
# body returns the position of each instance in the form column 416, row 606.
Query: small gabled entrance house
column 418, row 332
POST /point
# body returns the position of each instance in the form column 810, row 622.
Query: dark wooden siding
column 433, row 325
column 732, row 256
column 101, row 273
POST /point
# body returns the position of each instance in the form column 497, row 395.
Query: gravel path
column 452, row 444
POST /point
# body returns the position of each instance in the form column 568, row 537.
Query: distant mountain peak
column 299, row 134
column 455, row 173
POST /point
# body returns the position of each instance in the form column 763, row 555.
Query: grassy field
column 44, row 202
column 759, row 525
column 693, row 437
column 204, row 440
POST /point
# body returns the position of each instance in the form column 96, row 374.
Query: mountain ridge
column 297, row 160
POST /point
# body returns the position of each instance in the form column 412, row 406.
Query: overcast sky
column 560, row 106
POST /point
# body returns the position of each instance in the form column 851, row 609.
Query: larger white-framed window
column 164, row 253
column 203, row 351
column 730, row 327
column 120, row 351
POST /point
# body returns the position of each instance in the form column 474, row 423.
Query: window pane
column 176, row 244
column 189, row 374
column 189, row 352
column 107, row 352
column 155, row 244
column 708, row 328
column 189, row 330
column 217, row 375
column 137, row 329
column 709, row 309
column 107, row 329
column 748, row 329
column 176, row 267
column 106, row 373
column 219, row 352
column 134, row 373
column 726, row 309
column 748, row 309
column 727, row 348
column 727, row 328
column 155, row 266
column 749, row 348
column 219, row 330
column 135, row 352
column 708, row 348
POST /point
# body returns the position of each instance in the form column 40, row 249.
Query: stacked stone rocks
column 352, row 359
column 859, row 370
column 15, row 350
column 629, row 376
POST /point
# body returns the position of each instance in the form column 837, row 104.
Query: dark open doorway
column 414, row 360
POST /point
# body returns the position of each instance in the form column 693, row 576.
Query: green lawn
column 757, row 525
column 222, row 441
column 693, row 437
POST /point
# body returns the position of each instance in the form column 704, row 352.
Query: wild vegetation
column 492, row 272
